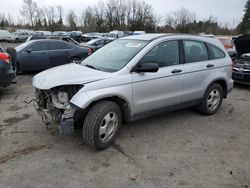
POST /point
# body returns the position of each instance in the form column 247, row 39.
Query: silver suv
column 131, row 78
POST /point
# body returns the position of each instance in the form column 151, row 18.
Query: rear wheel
column 17, row 40
column 212, row 100
column 101, row 125
column 75, row 60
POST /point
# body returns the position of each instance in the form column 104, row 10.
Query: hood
column 242, row 44
column 71, row 74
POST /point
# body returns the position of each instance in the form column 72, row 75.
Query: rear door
column 35, row 57
column 199, row 68
column 58, row 53
column 163, row 88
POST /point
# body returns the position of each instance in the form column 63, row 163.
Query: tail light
column 90, row 51
column 5, row 57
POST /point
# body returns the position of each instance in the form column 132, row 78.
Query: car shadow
column 242, row 86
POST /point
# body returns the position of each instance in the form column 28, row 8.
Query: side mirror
column 147, row 67
column 29, row 50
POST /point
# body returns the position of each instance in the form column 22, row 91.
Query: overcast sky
column 226, row 11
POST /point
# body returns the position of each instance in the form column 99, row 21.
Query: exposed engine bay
column 54, row 105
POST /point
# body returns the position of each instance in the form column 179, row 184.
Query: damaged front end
column 53, row 105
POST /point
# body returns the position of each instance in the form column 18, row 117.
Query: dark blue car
column 43, row 54
column 7, row 74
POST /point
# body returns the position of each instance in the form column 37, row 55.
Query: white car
column 16, row 37
column 3, row 34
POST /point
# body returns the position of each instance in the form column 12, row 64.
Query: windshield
column 115, row 55
column 22, row 46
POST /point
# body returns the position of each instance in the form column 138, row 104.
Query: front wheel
column 101, row 125
column 212, row 100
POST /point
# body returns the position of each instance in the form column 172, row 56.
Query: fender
column 83, row 99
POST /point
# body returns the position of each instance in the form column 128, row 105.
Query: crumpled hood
column 70, row 74
column 242, row 44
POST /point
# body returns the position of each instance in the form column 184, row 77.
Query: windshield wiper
column 91, row 66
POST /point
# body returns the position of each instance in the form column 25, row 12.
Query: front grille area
column 241, row 77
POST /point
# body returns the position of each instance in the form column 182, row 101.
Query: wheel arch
column 222, row 82
column 120, row 101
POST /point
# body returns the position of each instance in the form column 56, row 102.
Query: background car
column 76, row 35
column 96, row 44
column 226, row 41
column 60, row 33
column 16, row 37
column 241, row 66
column 3, row 34
column 64, row 38
column 139, row 33
column 43, row 54
column 7, row 73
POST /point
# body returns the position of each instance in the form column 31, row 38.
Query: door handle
column 176, row 71
column 210, row 65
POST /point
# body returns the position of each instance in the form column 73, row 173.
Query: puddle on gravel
column 13, row 120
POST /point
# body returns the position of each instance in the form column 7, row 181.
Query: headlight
column 63, row 97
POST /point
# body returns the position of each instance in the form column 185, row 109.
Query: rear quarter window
column 215, row 53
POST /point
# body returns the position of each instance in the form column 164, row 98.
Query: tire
column 17, row 40
column 212, row 100
column 101, row 125
column 75, row 60
column 18, row 68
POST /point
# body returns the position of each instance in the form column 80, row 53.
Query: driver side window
column 164, row 54
column 39, row 47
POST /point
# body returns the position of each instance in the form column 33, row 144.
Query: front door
column 163, row 88
column 35, row 57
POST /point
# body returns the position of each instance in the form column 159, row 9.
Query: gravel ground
column 180, row 149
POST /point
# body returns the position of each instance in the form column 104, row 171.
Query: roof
column 147, row 37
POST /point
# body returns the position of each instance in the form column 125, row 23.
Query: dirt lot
column 180, row 149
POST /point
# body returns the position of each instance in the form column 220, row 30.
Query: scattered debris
column 133, row 177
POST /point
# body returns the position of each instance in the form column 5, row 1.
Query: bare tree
column 29, row 11
column 88, row 19
column 180, row 18
column 99, row 13
column 50, row 14
column 60, row 13
column 72, row 20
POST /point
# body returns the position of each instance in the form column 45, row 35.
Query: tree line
column 126, row 15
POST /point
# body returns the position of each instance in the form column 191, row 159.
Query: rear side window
column 39, row 47
column 195, row 51
column 215, row 52
column 57, row 46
